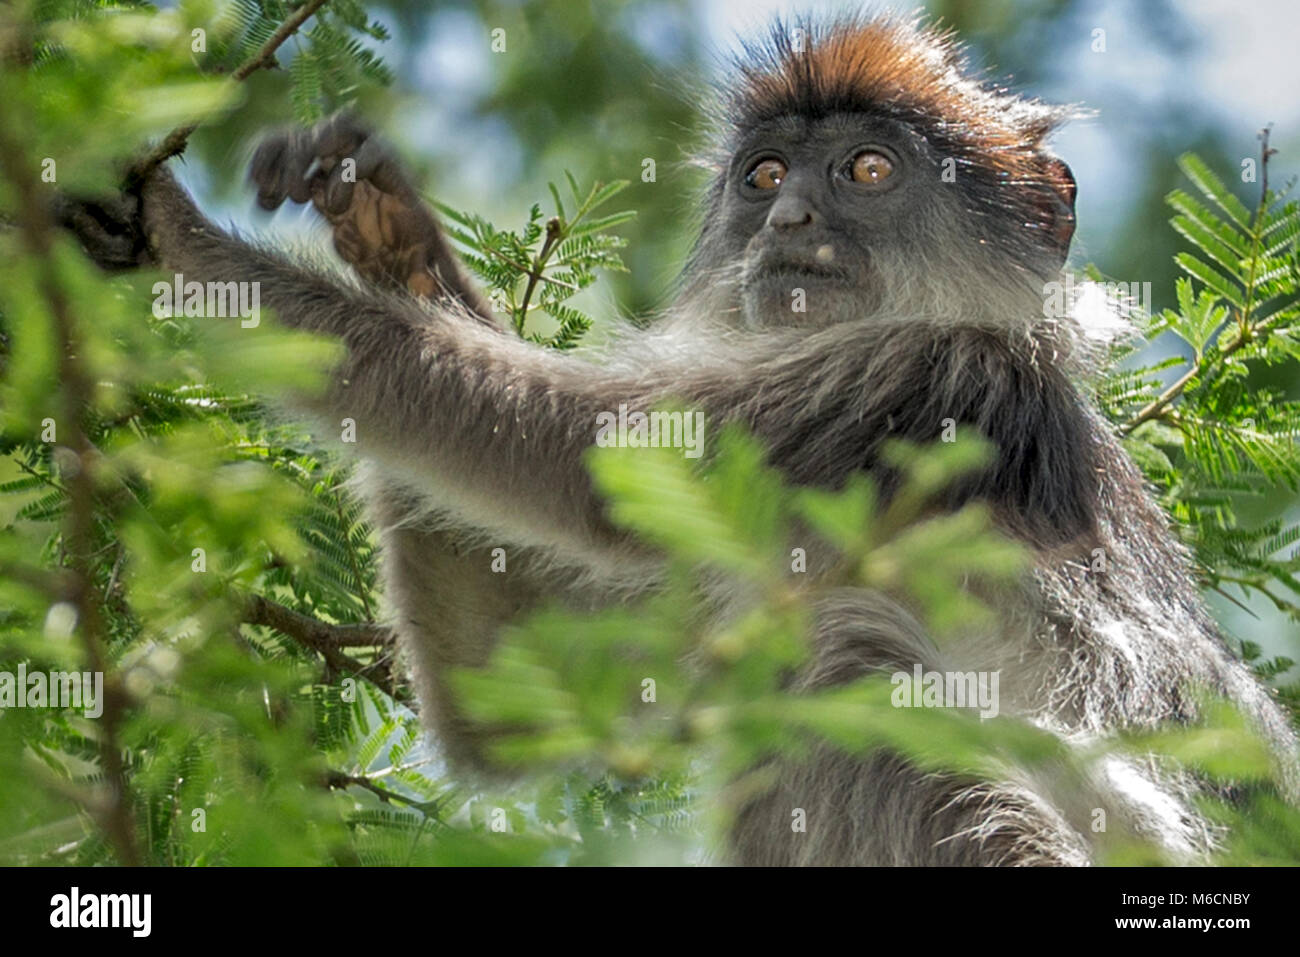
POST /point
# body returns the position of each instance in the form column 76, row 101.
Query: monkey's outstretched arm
column 494, row 426
column 381, row 226
column 497, row 428
column 491, row 425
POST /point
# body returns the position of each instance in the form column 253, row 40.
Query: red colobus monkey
column 922, row 214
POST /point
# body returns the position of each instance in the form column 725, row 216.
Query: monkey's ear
column 1057, row 207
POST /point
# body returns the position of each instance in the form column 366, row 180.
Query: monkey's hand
column 381, row 226
column 109, row 230
column 149, row 223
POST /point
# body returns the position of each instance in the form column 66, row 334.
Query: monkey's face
column 813, row 210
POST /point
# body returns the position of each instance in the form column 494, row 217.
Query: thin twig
column 46, row 479
column 1280, row 603
column 175, row 141
column 541, row 276
column 553, row 233
column 1266, row 151
column 338, row 780
column 326, row 639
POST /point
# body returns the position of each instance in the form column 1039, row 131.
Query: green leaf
column 1214, row 280
column 1210, row 184
column 1193, row 210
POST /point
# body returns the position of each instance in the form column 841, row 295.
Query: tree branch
column 340, row 780
column 326, row 639
column 175, row 141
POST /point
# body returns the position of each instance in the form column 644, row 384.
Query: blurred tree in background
column 158, row 525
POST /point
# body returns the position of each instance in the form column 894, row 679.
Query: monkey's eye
column 871, row 166
column 767, row 174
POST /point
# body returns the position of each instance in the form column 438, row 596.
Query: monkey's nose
column 791, row 210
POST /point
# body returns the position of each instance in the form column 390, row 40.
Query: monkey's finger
column 279, row 168
column 336, row 138
column 265, row 170
column 334, row 195
column 298, row 163
column 377, row 165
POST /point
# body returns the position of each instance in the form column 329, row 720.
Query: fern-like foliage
column 1212, row 426
column 333, row 58
column 545, row 264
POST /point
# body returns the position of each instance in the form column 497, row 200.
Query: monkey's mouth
column 769, row 270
